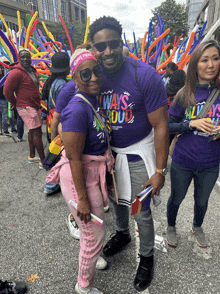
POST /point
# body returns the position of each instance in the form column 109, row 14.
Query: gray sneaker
column 171, row 236
column 200, row 236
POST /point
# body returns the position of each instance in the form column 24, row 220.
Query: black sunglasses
column 86, row 73
column 113, row 44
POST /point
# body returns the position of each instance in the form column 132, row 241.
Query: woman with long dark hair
column 197, row 152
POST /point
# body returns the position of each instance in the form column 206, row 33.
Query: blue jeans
column 4, row 111
column 181, row 177
column 20, row 125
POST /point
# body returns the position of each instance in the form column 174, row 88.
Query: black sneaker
column 116, row 243
column 12, row 287
column 144, row 273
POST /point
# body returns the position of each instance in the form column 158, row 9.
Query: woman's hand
column 204, row 124
column 83, row 210
column 217, row 131
column 157, row 182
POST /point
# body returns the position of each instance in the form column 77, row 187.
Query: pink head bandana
column 79, row 59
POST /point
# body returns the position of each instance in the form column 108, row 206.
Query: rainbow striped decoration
column 142, row 201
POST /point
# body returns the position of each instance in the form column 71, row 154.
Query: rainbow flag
column 142, row 201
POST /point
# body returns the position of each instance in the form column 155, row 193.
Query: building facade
column 70, row 10
column 210, row 12
column 194, row 7
column 48, row 10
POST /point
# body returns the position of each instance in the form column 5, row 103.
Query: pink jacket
column 54, row 176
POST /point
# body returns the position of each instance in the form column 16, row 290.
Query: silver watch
column 165, row 171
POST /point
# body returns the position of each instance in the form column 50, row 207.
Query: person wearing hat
column 60, row 69
column 23, row 80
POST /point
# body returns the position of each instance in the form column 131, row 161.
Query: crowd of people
column 116, row 100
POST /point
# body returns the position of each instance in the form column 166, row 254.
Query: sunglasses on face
column 113, row 44
column 86, row 74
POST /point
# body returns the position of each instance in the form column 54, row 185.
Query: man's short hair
column 24, row 50
column 105, row 23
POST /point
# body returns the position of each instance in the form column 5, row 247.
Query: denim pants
column 4, row 112
column 138, row 174
column 181, row 177
column 20, row 125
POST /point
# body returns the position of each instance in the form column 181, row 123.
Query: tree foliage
column 174, row 16
column 78, row 33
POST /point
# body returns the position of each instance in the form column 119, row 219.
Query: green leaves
column 174, row 16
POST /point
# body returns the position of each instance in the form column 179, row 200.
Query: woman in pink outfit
column 82, row 168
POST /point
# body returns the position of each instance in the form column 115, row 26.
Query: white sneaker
column 101, row 263
column 88, row 290
column 106, row 208
column 73, row 227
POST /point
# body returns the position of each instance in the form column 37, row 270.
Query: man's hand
column 83, row 210
column 157, row 182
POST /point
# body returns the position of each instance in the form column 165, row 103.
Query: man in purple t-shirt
column 135, row 103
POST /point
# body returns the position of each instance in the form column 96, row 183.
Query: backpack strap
column 210, row 101
column 54, row 88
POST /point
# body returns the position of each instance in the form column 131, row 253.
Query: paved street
column 34, row 238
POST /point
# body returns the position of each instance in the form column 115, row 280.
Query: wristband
column 162, row 171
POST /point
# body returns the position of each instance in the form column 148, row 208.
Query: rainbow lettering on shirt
column 213, row 114
column 117, row 107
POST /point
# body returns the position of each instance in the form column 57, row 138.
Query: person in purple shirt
column 134, row 101
column 82, row 167
column 66, row 94
column 196, row 155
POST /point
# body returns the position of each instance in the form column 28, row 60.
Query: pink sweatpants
column 91, row 235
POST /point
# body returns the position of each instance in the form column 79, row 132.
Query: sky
column 133, row 17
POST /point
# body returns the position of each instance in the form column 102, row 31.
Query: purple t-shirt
column 193, row 149
column 127, row 101
column 66, row 94
column 78, row 116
